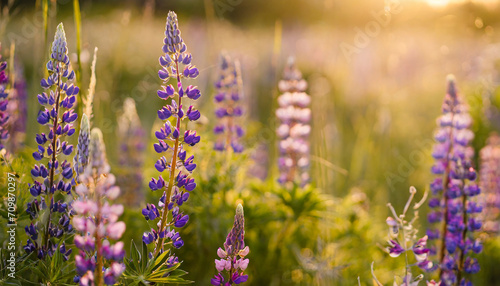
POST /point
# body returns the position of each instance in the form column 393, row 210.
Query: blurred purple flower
column 131, row 137
column 294, row 130
column 17, row 110
column 453, row 188
column 490, row 185
column 229, row 92
column 96, row 220
column 4, row 94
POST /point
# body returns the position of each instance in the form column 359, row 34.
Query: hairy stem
column 464, row 234
column 99, row 260
column 173, row 166
column 446, row 181
column 53, row 160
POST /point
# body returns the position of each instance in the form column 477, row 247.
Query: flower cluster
column 97, row 220
column 452, row 190
column 17, row 110
column 232, row 257
column 490, row 184
column 132, row 146
column 294, row 114
column 54, row 178
column 404, row 240
column 4, row 116
column 172, row 141
column 228, row 94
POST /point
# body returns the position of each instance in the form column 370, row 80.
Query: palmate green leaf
column 42, row 275
column 54, row 262
column 4, row 272
column 171, row 280
column 130, row 267
column 178, row 273
column 14, row 283
column 143, row 271
column 162, row 271
column 135, row 283
column 19, row 279
column 53, row 270
column 160, row 260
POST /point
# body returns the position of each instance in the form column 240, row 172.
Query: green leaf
column 78, row 26
column 144, row 261
column 136, row 255
column 171, row 280
column 160, row 260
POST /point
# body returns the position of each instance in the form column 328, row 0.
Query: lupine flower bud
column 229, row 92
column 97, row 151
column 81, row 159
column 294, row 115
column 232, row 258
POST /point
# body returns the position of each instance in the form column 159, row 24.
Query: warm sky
column 444, row 2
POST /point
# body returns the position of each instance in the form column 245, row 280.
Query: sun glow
column 442, row 3
column 439, row 3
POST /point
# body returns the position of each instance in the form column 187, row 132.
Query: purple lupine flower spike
column 4, row 115
column 490, row 184
column 175, row 164
column 53, row 174
column 98, row 261
column 132, row 146
column 453, row 210
column 228, row 94
column 294, row 114
column 232, row 257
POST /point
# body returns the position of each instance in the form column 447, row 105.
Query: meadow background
column 374, row 111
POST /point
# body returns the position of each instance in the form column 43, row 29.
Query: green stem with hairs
column 173, row 166
column 53, row 167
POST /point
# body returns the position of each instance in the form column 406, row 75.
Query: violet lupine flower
column 176, row 162
column 490, row 184
column 294, row 130
column 452, row 189
column 53, row 174
column 98, row 261
column 4, row 115
column 17, row 110
column 228, row 94
column 132, row 146
column 232, row 257
column 81, row 159
column 403, row 240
